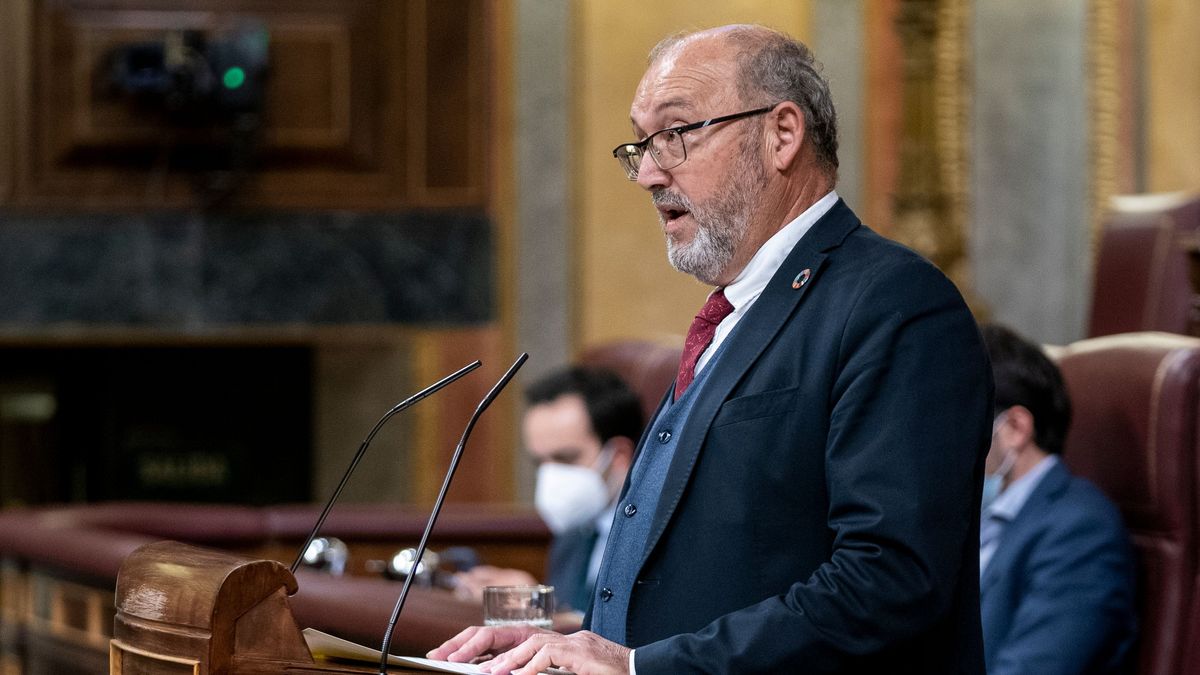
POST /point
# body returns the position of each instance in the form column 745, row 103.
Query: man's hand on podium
column 525, row 650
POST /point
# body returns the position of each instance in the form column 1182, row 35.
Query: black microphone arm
column 437, row 504
column 362, row 449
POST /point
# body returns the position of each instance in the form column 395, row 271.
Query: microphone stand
column 437, row 505
column 362, row 449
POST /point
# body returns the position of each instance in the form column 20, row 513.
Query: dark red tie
column 699, row 337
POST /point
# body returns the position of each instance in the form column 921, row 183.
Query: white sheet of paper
column 324, row 644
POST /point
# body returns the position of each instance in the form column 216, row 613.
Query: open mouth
column 671, row 207
column 670, row 215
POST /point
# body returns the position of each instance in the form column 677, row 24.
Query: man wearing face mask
column 1056, row 565
column 580, row 427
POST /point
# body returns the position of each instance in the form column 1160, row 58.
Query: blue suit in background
column 1058, row 595
column 567, row 567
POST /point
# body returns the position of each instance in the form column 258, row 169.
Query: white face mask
column 993, row 483
column 569, row 496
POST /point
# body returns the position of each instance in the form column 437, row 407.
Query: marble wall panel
column 182, row 271
column 1030, row 212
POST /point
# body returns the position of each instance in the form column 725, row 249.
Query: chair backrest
column 647, row 367
column 1144, row 266
column 1192, row 663
column 1134, row 434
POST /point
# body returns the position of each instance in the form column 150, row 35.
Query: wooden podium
column 183, row 609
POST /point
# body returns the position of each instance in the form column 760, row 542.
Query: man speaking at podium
column 806, row 498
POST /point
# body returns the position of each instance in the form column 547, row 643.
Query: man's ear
column 1020, row 427
column 623, row 448
column 785, row 135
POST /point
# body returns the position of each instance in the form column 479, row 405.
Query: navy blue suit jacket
column 1058, row 594
column 821, row 511
column 567, row 567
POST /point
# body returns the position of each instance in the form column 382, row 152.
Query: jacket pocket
column 756, row 406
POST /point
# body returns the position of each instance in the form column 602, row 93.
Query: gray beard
column 721, row 224
column 708, row 253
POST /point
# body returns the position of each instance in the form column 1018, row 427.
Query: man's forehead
column 559, row 430
column 686, row 79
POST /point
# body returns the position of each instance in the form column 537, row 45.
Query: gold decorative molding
column 951, row 106
column 930, row 204
column 1105, row 107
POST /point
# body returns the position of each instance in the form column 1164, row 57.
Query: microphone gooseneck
column 441, row 497
column 362, row 449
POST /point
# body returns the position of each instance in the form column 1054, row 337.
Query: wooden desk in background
column 59, row 566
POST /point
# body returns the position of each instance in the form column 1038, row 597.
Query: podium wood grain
column 183, row 609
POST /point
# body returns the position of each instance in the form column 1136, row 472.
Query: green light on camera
column 234, row 78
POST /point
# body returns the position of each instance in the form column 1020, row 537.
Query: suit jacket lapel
column 744, row 345
column 1036, row 508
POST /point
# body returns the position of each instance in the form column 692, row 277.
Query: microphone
column 437, row 504
column 362, row 449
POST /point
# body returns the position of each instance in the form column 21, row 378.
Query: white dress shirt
column 1006, row 506
column 603, row 525
column 753, row 278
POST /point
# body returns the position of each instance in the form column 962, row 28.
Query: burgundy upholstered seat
column 1144, row 267
column 1134, row 434
column 647, row 367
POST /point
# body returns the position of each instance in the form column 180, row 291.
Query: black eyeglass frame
column 642, row 145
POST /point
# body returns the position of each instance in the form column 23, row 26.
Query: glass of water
column 504, row 605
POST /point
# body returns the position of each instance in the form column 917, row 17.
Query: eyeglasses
column 666, row 145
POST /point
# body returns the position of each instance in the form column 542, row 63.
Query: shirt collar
column 1010, row 502
column 603, row 522
column 753, row 278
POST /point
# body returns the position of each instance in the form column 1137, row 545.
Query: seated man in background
column 1056, row 565
column 580, row 427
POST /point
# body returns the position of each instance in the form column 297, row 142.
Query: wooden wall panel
column 368, row 104
column 450, row 63
column 10, row 53
column 451, row 163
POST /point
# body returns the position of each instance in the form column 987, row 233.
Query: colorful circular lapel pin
column 802, row 278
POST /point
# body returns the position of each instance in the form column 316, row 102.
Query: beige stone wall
column 624, row 286
column 1172, row 95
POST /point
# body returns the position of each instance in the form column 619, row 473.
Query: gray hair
column 774, row 67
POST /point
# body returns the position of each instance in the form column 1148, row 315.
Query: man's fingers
column 490, row 640
column 519, row 655
column 541, row 660
column 484, row 641
column 452, row 645
column 584, row 653
column 476, row 641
